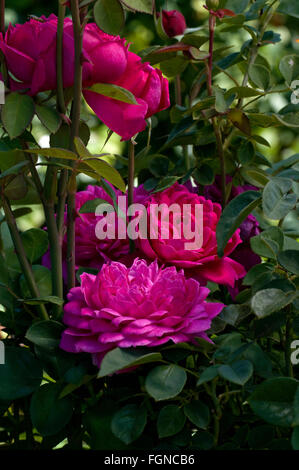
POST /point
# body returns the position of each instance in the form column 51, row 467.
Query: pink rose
column 91, row 252
column 148, row 86
column 174, row 22
column 30, row 53
column 137, row 306
column 107, row 56
column 202, row 263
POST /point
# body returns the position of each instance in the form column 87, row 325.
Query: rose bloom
column 91, row 252
column 201, row 263
column 143, row 305
column 174, row 22
column 111, row 62
column 30, row 53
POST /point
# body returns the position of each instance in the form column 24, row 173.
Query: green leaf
column 54, row 153
column 255, row 176
column 268, row 243
column 165, row 183
column 49, row 117
column 220, row 103
column 256, row 271
column 17, row 113
column 61, row 139
column 49, row 414
column 238, row 372
column 143, row 6
column 246, row 152
column 277, row 201
column 129, row 422
column 97, row 421
column 295, row 435
column 171, row 421
column 90, row 206
column 289, row 68
column 260, row 360
column 109, row 16
column 289, row 259
column 35, row 242
column 17, row 188
column 51, row 299
column 198, row 413
column 174, row 66
column 268, row 301
column 20, row 375
column 103, row 169
column 159, row 26
column 244, row 92
column 164, row 382
column 207, row 375
column 10, row 158
column 45, row 333
column 114, row 91
column 260, row 76
column 14, row 170
column 289, row 8
column 273, row 400
column 233, row 215
column 43, row 279
column 119, row 359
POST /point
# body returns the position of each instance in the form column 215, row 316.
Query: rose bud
column 174, row 22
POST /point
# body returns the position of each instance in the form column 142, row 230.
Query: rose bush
column 186, row 337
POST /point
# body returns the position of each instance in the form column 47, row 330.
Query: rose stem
column 131, row 181
column 21, row 254
column 131, row 173
column 47, row 195
column 71, row 206
column 2, row 17
column 212, row 22
column 61, row 108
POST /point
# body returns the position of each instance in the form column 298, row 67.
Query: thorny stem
column 218, row 411
column 47, row 196
column 59, row 60
column 2, row 16
column 62, row 186
column 131, row 173
column 178, row 100
column 215, row 122
column 71, row 213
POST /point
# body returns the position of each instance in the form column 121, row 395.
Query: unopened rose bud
column 174, row 22
column 212, row 4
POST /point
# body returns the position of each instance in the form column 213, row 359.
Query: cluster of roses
column 30, row 54
column 155, row 294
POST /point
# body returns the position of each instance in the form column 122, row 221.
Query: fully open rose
column 139, row 306
column 202, row 263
